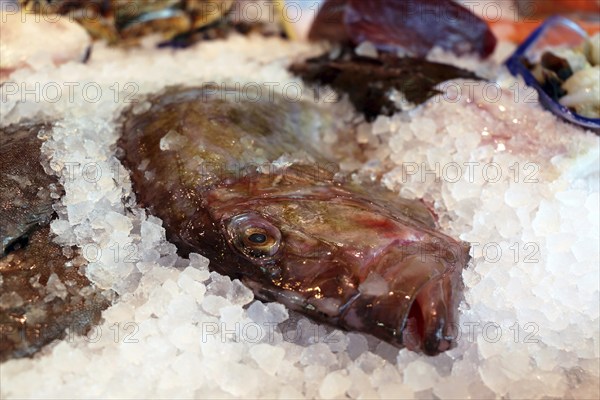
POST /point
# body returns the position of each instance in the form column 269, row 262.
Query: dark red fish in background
column 413, row 27
column 240, row 180
column 395, row 27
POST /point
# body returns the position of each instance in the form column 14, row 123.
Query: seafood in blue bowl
column 560, row 62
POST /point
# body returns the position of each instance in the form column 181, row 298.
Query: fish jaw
column 431, row 325
column 417, row 309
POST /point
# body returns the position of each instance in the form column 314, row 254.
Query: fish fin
column 414, row 209
column 299, row 173
column 419, row 210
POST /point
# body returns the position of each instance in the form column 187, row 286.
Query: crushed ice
column 529, row 321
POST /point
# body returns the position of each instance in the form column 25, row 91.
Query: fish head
column 343, row 258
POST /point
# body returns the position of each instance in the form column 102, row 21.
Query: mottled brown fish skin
column 356, row 257
column 31, row 315
column 25, row 189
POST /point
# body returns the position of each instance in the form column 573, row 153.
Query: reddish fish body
column 237, row 180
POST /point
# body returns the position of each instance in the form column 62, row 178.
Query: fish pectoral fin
column 300, row 173
column 415, row 209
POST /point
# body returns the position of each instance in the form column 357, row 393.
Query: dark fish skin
column 413, row 26
column 359, row 258
column 31, row 316
column 25, row 201
column 369, row 81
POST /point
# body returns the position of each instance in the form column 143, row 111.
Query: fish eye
column 257, row 238
column 254, row 236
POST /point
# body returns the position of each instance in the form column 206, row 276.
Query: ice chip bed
column 521, row 186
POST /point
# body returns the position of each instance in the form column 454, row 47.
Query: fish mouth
column 430, row 325
column 419, row 313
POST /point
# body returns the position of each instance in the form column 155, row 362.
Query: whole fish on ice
column 223, row 172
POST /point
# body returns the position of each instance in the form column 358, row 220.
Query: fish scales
column 33, row 312
column 242, row 181
column 25, row 200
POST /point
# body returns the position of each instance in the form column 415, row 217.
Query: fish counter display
column 219, row 211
